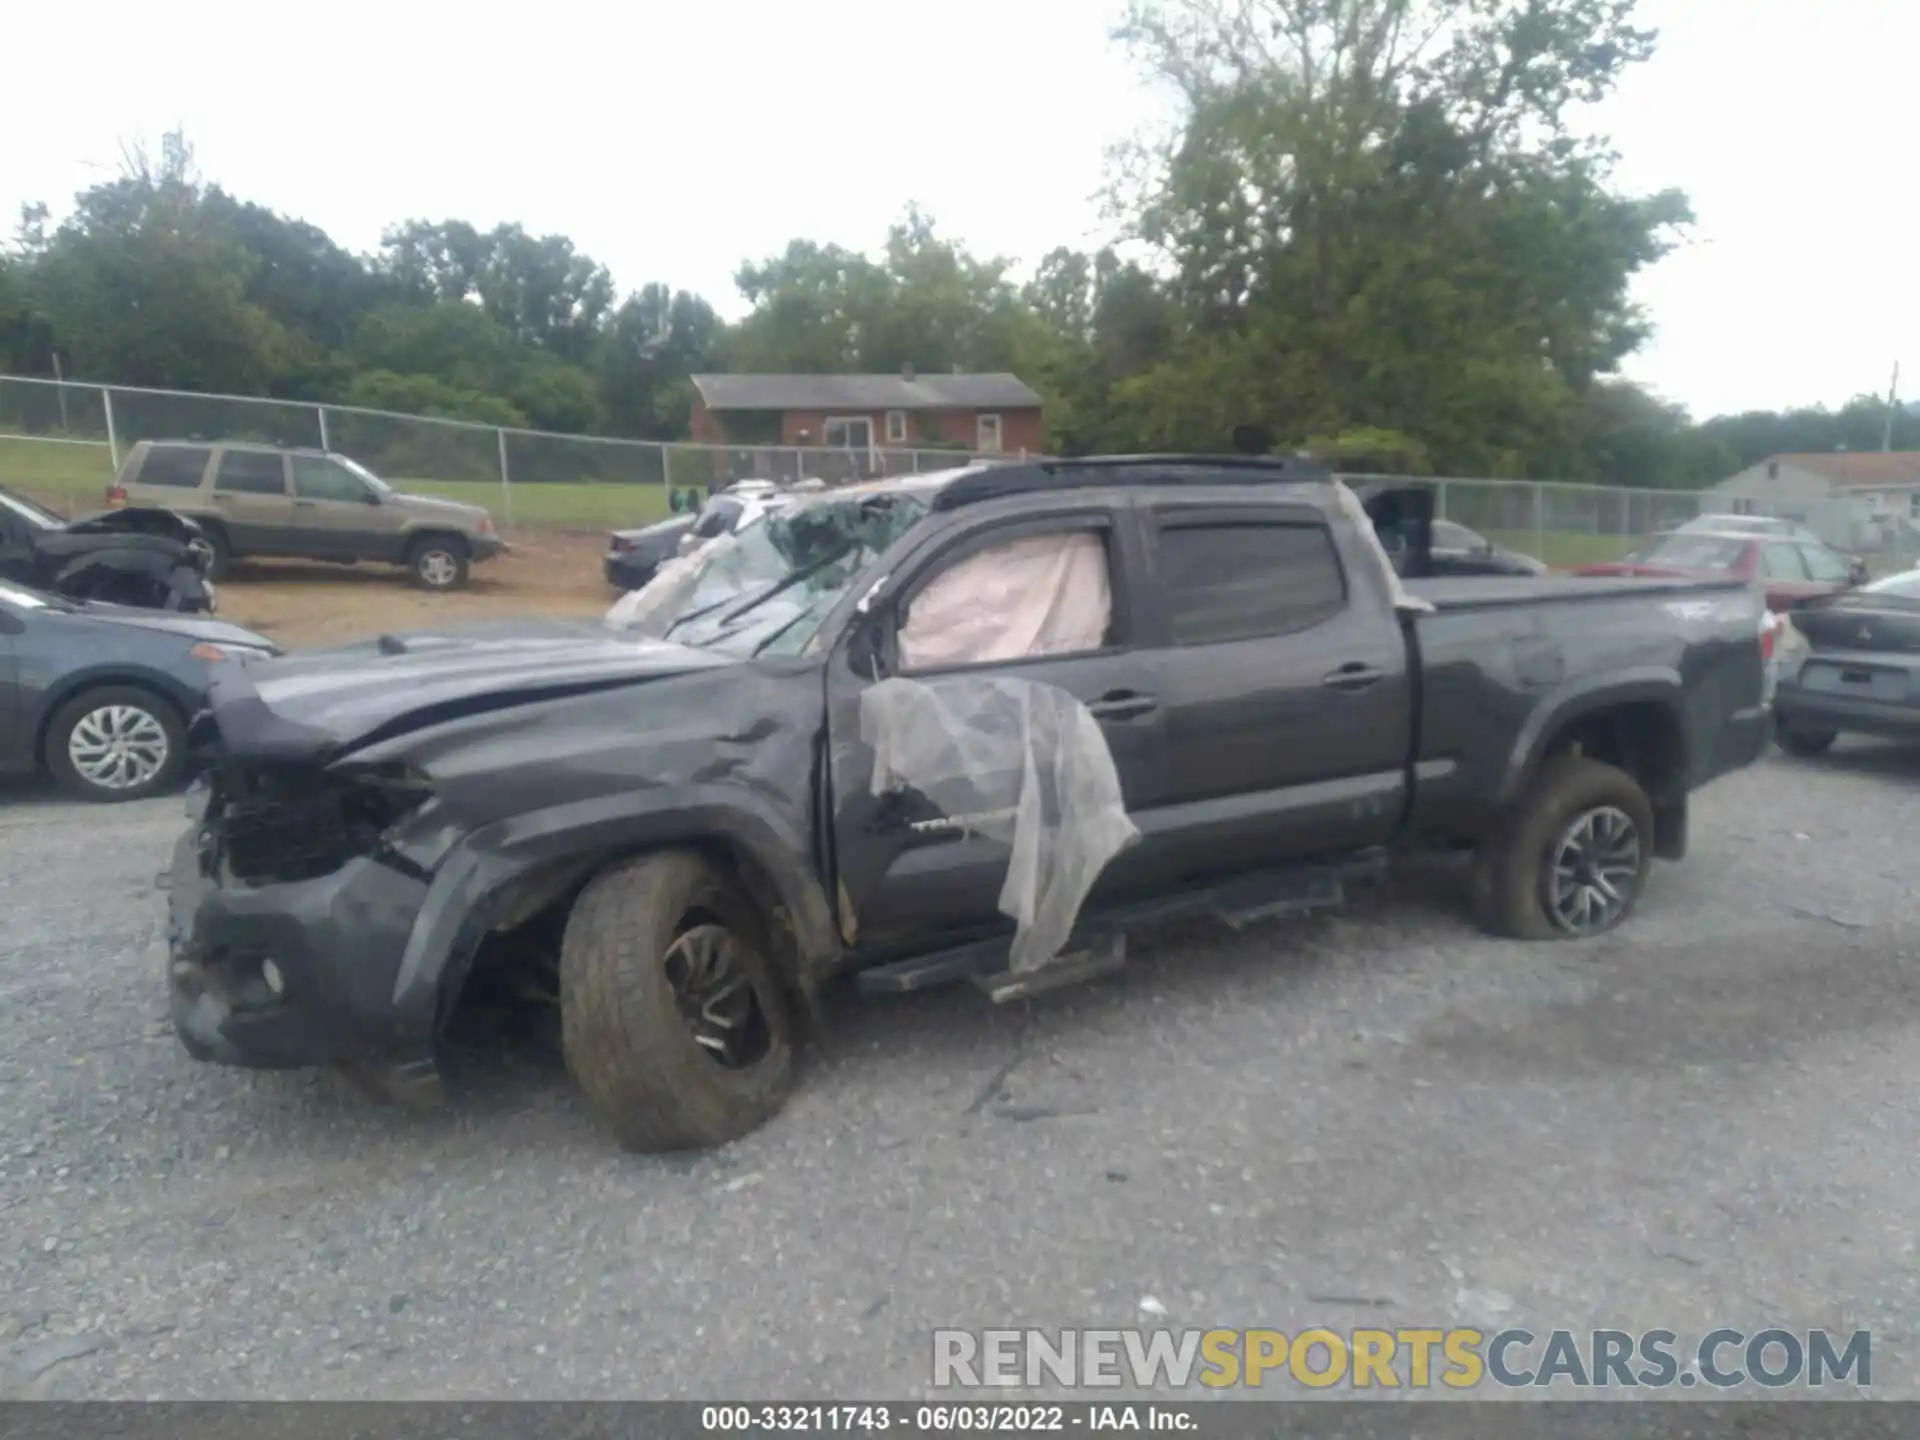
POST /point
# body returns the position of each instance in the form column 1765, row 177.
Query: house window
column 987, row 434
column 848, row 432
column 896, row 427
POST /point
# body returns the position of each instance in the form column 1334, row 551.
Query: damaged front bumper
column 294, row 974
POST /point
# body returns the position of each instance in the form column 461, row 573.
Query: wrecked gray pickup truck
column 967, row 725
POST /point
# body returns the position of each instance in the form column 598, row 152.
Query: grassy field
column 77, row 474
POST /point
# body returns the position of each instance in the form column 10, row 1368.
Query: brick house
column 983, row 414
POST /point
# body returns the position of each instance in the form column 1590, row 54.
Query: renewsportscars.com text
column 1415, row 1359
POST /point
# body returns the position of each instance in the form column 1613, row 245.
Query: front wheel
column 438, row 563
column 1572, row 857
column 673, row 1020
column 115, row 743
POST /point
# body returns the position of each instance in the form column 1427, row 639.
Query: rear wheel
column 1572, row 857
column 115, row 743
column 674, row 1021
column 438, row 562
column 1805, row 743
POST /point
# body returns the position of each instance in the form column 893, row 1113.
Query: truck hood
column 325, row 702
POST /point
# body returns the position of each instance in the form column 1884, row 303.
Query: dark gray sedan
column 97, row 697
column 1859, row 671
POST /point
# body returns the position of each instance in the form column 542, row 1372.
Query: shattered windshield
column 765, row 589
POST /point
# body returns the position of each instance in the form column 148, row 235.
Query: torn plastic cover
column 1039, row 595
column 1021, row 763
column 1356, row 512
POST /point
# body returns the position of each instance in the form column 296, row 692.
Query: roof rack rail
column 1025, row 477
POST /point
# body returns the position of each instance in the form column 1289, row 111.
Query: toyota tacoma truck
column 968, row 726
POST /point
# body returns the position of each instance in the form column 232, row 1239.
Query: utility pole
column 1893, row 405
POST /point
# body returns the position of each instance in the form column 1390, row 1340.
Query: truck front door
column 1046, row 599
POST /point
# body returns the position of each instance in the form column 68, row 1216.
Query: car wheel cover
column 1593, row 870
column 118, row 747
column 438, row 567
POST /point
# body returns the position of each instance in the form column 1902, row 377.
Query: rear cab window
column 1245, row 578
column 1696, row 552
column 1782, row 561
column 179, row 467
column 1825, row 566
column 252, row 472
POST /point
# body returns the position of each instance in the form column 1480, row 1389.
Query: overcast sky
column 672, row 141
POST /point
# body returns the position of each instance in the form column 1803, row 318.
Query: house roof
column 1859, row 469
column 861, row 393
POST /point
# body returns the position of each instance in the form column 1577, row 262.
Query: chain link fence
column 65, row 440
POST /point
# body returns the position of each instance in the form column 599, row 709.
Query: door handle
column 303, row 504
column 1122, row 705
column 1354, row 675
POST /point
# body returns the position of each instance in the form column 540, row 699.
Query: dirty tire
column 1804, row 743
column 438, row 562
column 1512, row 870
column 626, row 1043
column 221, row 565
column 138, row 716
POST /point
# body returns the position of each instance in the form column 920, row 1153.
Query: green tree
column 147, row 285
column 1373, row 215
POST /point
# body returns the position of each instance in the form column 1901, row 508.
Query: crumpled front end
column 291, row 899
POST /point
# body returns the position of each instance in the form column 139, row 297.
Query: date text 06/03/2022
column 940, row 1419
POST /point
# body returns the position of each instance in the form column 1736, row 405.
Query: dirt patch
column 301, row 604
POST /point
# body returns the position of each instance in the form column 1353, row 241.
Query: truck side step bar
column 1099, row 947
column 1072, row 968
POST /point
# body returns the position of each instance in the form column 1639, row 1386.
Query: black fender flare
column 487, row 873
column 1649, row 684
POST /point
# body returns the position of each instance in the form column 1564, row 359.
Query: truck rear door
column 1284, row 678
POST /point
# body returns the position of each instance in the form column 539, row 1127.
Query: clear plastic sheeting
column 1356, row 512
column 1040, row 595
column 657, row 599
column 1021, row 763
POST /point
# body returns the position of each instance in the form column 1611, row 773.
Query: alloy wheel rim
column 118, row 747
column 714, row 992
column 1594, row 870
column 437, row 567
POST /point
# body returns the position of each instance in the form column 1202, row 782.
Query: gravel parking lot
column 1383, row 1118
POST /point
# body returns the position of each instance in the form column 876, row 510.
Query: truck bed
column 1469, row 592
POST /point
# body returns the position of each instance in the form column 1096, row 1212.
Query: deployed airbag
column 1041, row 595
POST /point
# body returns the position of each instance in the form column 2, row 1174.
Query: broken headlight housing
column 281, row 825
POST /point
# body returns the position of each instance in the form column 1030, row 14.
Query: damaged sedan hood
column 327, row 701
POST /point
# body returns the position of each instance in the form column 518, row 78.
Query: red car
column 1791, row 571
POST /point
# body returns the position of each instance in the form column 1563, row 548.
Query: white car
column 731, row 511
